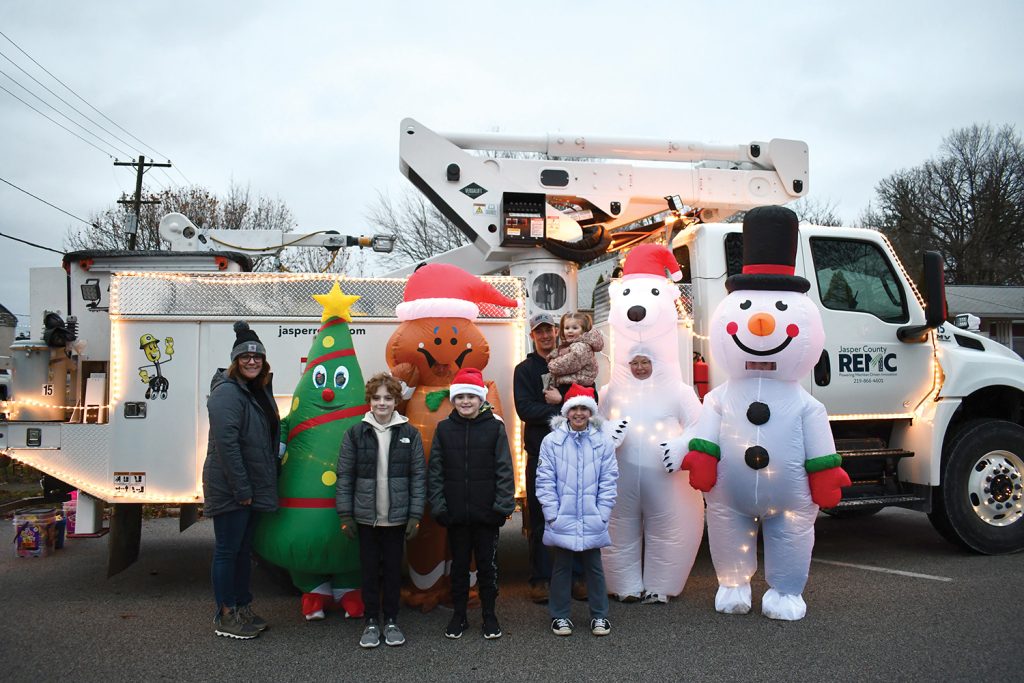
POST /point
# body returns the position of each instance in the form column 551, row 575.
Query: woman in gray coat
column 239, row 477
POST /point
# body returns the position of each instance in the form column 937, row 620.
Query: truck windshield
column 856, row 276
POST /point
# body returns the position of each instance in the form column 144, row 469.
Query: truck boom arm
column 473, row 190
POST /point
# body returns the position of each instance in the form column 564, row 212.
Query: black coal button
column 756, row 457
column 758, row 413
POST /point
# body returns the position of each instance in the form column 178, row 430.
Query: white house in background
column 8, row 321
column 1001, row 310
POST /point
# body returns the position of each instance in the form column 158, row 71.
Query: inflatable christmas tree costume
column 304, row 536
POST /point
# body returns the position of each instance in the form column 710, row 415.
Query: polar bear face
column 771, row 334
column 643, row 307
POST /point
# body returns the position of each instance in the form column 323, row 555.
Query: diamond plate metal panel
column 268, row 295
column 83, row 459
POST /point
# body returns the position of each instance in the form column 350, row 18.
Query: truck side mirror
column 934, row 300
column 934, row 289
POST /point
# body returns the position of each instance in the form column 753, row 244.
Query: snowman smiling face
column 767, row 333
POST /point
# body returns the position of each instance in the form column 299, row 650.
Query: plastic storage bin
column 35, row 531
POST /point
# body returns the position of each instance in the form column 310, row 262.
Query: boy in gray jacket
column 381, row 492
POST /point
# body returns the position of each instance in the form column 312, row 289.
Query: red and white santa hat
column 651, row 259
column 468, row 381
column 580, row 396
column 441, row 290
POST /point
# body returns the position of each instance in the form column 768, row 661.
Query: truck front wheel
column 978, row 504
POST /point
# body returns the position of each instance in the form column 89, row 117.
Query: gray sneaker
column 250, row 617
column 371, row 634
column 392, row 634
column 232, row 625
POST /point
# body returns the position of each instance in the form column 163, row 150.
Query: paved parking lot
column 888, row 599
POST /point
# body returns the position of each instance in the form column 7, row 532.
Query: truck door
column 865, row 369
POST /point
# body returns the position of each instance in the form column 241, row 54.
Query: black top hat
column 770, row 236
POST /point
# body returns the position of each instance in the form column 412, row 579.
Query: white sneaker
column 654, row 599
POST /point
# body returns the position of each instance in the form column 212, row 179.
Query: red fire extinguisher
column 700, row 375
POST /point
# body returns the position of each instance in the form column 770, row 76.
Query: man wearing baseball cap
column 535, row 406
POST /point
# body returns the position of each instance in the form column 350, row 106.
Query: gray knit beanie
column 246, row 341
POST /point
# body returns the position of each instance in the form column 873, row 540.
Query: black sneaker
column 456, row 627
column 250, row 617
column 492, row 629
column 231, row 625
column 600, row 627
column 561, row 627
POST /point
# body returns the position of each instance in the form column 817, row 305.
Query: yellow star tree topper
column 336, row 304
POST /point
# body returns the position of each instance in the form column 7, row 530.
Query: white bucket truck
column 927, row 416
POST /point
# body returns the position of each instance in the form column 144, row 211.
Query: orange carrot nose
column 761, row 324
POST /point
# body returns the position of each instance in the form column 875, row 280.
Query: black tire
column 953, row 513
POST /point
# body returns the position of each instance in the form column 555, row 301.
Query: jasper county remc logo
column 867, row 363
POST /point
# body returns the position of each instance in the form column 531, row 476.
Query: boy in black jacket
column 472, row 492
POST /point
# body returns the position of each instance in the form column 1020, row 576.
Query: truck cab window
column 857, row 276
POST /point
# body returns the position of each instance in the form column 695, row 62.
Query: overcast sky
column 302, row 100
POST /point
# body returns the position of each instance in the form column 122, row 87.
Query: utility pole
column 140, row 167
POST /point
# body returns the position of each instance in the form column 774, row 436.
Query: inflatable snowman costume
column 763, row 451
column 658, row 520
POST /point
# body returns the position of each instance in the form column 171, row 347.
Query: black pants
column 380, row 555
column 480, row 540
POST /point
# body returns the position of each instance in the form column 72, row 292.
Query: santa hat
column 580, row 396
column 468, row 381
column 440, row 290
column 651, row 259
column 770, row 235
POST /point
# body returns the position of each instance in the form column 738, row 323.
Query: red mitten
column 826, row 486
column 703, row 470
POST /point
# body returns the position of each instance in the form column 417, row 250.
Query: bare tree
column 816, row 211
column 967, row 203
column 423, row 231
column 808, row 209
column 238, row 210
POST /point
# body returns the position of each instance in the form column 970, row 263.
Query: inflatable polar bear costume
column 658, row 520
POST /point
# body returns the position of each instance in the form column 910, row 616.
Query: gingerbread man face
column 438, row 348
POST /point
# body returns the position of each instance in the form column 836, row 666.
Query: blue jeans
column 560, row 595
column 232, row 558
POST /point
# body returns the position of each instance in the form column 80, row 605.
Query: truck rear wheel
column 979, row 502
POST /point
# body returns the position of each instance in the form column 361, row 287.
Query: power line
column 70, row 120
column 68, row 88
column 55, row 122
column 31, row 244
column 46, row 202
column 72, row 107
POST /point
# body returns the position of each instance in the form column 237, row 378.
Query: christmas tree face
column 329, row 398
